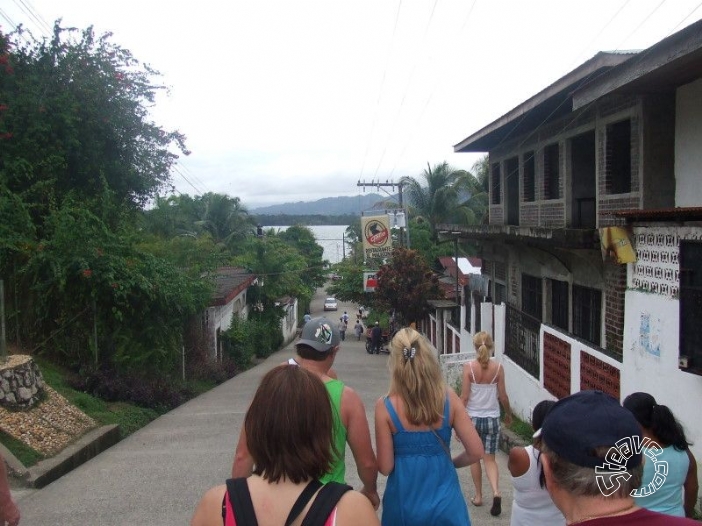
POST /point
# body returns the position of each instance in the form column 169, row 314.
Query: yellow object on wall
column 614, row 242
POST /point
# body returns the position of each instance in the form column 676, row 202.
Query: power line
column 407, row 86
column 640, row 56
column 431, row 94
column 43, row 27
column 380, row 91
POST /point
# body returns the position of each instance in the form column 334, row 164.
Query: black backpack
column 327, row 499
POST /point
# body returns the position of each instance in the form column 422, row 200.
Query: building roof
column 662, row 214
column 550, row 103
column 466, row 266
column 229, row 283
column 672, row 62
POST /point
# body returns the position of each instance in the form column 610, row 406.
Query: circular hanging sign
column 376, row 233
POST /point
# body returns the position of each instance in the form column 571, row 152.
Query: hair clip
column 409, row 353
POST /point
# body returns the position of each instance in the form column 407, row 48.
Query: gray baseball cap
column 320, row 334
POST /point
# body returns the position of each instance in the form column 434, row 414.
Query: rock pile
column 21, row 383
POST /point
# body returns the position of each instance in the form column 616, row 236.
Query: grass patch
column 522, row 428
column 25, row 454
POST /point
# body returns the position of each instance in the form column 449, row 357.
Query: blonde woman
column 482, row 393
column 413, row 426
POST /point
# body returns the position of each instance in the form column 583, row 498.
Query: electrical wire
column 382, row 86
column 428, row 100
column 407, row 86
column 590, row 78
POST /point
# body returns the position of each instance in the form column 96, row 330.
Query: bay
column 329, row 237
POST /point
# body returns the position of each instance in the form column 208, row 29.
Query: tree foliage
column 406, row 284
column 78, row 158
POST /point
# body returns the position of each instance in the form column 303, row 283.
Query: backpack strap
column 327, row 499
column 240, row 501
column 302, row 500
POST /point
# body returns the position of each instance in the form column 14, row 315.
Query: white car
column 330, row 304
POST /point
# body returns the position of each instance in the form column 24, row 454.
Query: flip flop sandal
column 496, row 506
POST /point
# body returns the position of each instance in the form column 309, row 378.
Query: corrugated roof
column 229, row 283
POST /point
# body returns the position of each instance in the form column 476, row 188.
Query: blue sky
column 294, row 101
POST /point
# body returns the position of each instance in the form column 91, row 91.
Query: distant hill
column 329, row 206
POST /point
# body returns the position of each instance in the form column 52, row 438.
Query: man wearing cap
column 316, row 351
column 592, row 462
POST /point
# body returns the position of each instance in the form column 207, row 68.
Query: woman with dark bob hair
column 678, row 492
column 288, row 430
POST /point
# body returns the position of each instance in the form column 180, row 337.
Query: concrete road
column 157, row 475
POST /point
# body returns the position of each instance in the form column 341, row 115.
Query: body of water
column 329, row 237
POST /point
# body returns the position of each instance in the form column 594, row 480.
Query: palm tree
column 436, row 200
column 472, row 198
column 224, row 218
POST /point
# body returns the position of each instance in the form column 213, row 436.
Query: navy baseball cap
column 584, row 421
column 320, row 334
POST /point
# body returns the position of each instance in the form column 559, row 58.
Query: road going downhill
column 157, row 475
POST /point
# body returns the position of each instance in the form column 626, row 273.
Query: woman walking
column 482, row 392
column 532, row 504
column 413, row 426
column 289, row 435
column 678, row 493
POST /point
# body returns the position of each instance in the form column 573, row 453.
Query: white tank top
column 483, row 401
column 532, row 504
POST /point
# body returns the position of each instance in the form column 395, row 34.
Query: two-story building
column 615, row 142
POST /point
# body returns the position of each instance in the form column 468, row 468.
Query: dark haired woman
column 678, row 493
column 532, row 504
column 289, row 435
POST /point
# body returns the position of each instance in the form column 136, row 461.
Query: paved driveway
column 157, row 475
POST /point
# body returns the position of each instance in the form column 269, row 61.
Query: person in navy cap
column 593, row 462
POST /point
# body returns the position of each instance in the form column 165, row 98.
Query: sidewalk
column 157, row 475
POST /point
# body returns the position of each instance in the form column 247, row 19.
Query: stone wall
column 21, row 382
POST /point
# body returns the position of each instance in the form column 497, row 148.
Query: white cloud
column 299, row 100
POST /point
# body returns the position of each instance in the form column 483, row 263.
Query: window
column 532, row 296
column 529, row 177
column 477, row 300
column 496, row 184
column 467, row 311
column 587, row 313
column 500, row 293
column 691, row 306
column 552, row 177
column 618, row 157
column 559, row 304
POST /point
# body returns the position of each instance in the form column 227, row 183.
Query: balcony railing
column 522, row 340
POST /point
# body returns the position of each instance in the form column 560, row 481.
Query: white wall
column 651, row 348
column 688, row 144
column 523, row 389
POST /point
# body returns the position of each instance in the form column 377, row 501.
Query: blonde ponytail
column 484, row 346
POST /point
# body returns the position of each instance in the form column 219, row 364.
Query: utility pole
column 392, row 185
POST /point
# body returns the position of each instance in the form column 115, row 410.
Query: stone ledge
column 88, row 446
column 510, row 439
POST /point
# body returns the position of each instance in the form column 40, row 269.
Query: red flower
column 114, row 285
column 87, row 273
column 6, row 135
column 3, row 107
